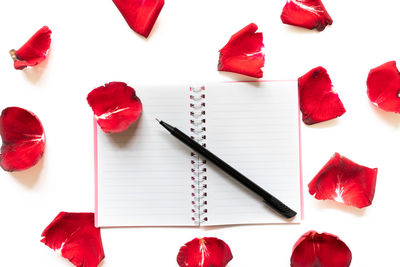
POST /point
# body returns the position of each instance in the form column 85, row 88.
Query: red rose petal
column 23, row 139
column 384, row 87
column 309, row 14
column 34, row 51
column 242, row 54
column 204, row 252
column 345, row 181
column 115, row 106
column 318, row 101
column 320, row 250
column 78, row 238
column 140, row 14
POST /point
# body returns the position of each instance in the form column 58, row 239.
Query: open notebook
column 145, row 177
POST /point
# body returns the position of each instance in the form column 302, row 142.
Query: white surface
column 92, row 45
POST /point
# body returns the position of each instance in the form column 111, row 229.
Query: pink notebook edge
column 96, row 175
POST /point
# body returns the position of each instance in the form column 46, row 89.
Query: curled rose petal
column 383, row 84
column 115, row 106
column 309, row 14
column 318, row 101
column 344, row 181
column 33, row 51
column 242, row 54
column 140, row 14
column 23, row 139
column 204, row 252
column 320, row 250
column 78, row 238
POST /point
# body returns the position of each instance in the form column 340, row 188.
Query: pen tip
column 158, row 120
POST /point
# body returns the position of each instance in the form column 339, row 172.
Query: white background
column 92, row 45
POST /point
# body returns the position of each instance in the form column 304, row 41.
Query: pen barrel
column 269, row 199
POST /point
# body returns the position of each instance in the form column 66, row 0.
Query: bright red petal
column 384, row 87
column 34, row 51
column 318, row 101
column 140, row 14
column 320, row 250
column 115, row 106
column 204, row 252
column 78, row 238
column 345, row 181
column 309, row 14
column 23, row 139
column 242, row 54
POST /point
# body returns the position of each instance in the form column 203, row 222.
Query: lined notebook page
column 254, row 127
column 144, row 172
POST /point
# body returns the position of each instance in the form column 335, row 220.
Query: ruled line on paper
column 255, row 130
column 144, row 172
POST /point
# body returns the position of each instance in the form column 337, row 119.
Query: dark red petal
column 345, row 181
column 309, row 14
column 34, row 51
column 320, row 250
column 242, row 54
column 384, row 87
column 318, row 101
column 204, row 252
column 23, row 139
column 78, row 238
column 115, row 106
column 140, row 14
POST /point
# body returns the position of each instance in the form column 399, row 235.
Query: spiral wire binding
column 199, row 175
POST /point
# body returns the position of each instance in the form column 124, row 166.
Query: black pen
column 269, row 199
